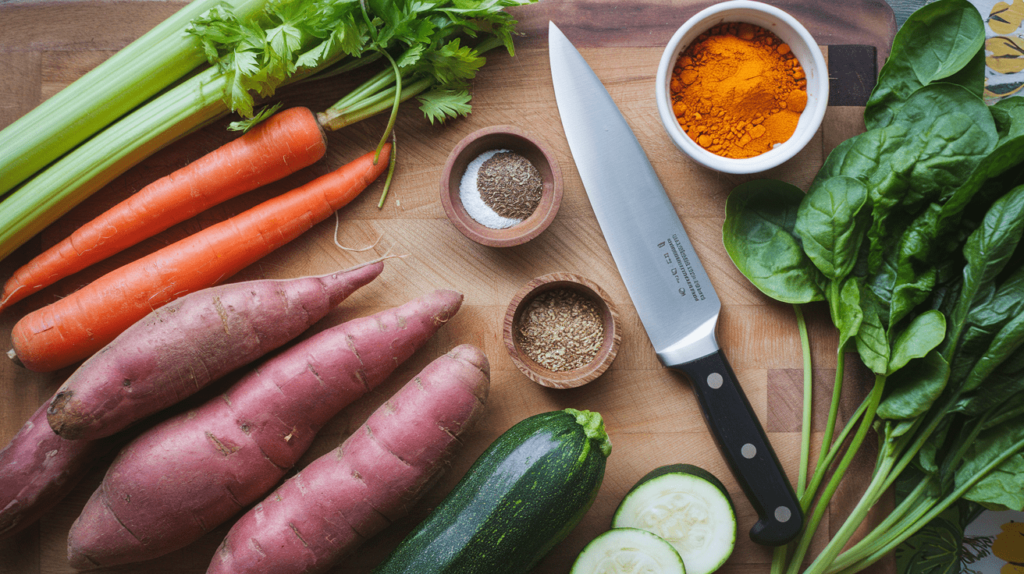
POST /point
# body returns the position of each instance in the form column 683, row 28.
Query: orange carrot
column 281, row 145
column 85, row 321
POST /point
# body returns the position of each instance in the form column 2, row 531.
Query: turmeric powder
column 738, row 91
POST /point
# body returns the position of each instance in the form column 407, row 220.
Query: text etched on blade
column 677, row 255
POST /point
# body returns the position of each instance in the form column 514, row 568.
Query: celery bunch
column 136, row 73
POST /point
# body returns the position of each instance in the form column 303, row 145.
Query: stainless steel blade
column 666, row 281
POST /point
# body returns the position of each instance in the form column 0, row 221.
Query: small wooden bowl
column 576, row 377
column 522, row 143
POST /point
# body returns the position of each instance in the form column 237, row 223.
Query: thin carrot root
column 337, row 226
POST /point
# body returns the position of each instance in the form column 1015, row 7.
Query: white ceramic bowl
column 804, row 48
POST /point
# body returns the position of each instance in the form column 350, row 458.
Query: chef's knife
column 670, row 289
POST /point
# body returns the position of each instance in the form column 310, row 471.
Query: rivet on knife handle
column 746, row 448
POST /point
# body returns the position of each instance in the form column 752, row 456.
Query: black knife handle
column 746, row 448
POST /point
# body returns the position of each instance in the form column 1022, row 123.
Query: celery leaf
column 441, row 104
column 247, row 124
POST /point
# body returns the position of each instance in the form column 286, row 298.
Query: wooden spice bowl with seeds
column 510, row 139
column 561, row 330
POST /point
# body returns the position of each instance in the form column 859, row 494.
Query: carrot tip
column 14, row 357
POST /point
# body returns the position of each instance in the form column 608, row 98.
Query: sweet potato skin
column 372, row 479
column 38, row 469
column 192, row 472
column 184, row 345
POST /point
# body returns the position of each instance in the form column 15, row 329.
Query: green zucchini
column 689, row 508
column 524, row 494
column 628, row 551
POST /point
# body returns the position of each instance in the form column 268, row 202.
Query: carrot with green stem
column 286, row 142
column 284, row 43
column 80, row 324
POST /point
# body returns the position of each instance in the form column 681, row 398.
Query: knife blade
column 669, row 287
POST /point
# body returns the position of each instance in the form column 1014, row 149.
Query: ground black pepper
column 510, row 185
column 561, row 330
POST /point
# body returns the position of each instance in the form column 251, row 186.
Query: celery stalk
column 146, row 66
column 43, row 199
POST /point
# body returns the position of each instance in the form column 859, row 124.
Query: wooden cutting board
column 651, row 414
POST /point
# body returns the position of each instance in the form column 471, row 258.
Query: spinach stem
column 833, row 484
column 833, row 408
column 805, row 429
column 902, row 517
column 894, row 539
column 909, row 454
column 779, row 559
column 819, row 473
column 857, row 516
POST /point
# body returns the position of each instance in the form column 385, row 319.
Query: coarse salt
column 474, row 204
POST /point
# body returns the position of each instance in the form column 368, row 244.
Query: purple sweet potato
column 189, row 474
column 38, row 469
column 353, row 492
column 184, row 345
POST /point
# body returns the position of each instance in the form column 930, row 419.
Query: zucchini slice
column 689, row 508
column 627, row 551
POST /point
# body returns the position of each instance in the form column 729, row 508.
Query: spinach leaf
column 1007, row 155
column 1007, row 410
column 1011, row 112
column 972, row 76
column 827, row 224
column 936, row 42
column 911, row 392
column 1004, row 485
column 914, row 283
column 930, row 455
column 988, row 319
column 913, row 286
column 872, row 340
column 987, row 251
column 922, row 335
column 758, row 234
column 999, row 305
column 857, row 157
column 1004, row 345
column 844, row 305
column 882, row 282
column 1004, row 384
column 944, row 133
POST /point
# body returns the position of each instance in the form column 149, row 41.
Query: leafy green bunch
column 259, row 54
column 911, row 233
column 293, row 39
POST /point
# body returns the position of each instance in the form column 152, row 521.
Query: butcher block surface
column 650, row 413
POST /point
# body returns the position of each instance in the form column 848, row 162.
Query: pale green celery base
column 79, row 174
column 128, row 78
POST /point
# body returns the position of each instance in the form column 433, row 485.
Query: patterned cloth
column 1004, row 47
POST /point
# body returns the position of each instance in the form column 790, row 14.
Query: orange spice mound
column 738, row 91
